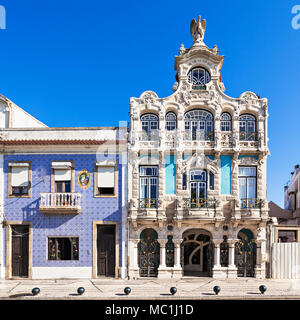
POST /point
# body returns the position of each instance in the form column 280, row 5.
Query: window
column 106, row 181
column 63, row 248
column 211, row 181
column 198, row 77
column 225, row 121
column 184, row 182
column 247, row 187
column 248, row 128
column 199, row 125
column 19, row 179
column 198, row 184
column 149, row 126
column 287, row 236
column 62, row 172
column 148, row 186
column 171, row 121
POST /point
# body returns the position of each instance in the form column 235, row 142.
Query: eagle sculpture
column 198, row 29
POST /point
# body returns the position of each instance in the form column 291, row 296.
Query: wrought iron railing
column 199, row 203
column 153, row 135
column 60, row 199
column 148, row 203
column 248, row 136
column 199, row 136
column 250, row 203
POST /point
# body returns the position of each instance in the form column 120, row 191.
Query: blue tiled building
column 64, row 203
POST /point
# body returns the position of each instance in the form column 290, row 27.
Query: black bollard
column 173, row 290
column 127, row 290
column 35, row 291
column 262, row 289
column 217, row 289
column 80, row 290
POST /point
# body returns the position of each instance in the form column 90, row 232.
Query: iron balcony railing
column 60, row 200
column 250, row 203
column 248, row 136
column 199, row 203
column 199, row 135
column 148, row 203
column 153, row 135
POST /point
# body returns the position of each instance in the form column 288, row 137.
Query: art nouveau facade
column 197, row 175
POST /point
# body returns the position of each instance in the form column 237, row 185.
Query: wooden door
column 20, row 248
column 106, row 251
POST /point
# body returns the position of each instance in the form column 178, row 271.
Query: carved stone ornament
column 249, row 99
column 198, row 30
column 199, row 161
column 148, row 98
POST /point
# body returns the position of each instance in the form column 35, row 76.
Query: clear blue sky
column 77, row 63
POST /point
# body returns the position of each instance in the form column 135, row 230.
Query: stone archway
column 197, row 253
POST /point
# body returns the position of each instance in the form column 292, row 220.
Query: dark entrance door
column 20, row 248
column 148, row 249
column 106, row 251
column 245, row 257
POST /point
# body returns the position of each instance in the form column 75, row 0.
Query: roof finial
column 198, row 30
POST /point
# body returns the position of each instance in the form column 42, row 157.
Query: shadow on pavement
column 20, row 295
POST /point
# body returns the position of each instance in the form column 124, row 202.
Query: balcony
column 248, row 139
column 60, row 203
column 199, row 203
column 151, row 136
column 250, row 203
column 148, row 203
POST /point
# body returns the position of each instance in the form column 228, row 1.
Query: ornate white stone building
column 197, row 174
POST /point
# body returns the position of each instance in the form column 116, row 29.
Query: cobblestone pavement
column 187, row 288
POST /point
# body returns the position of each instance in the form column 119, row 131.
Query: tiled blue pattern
column 44, row 225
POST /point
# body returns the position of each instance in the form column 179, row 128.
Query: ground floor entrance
column 106, row 250
column 20, row 250
column 198, row 253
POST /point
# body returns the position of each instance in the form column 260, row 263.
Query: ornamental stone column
column 162, row 243
column 258, row 267
column 177, row 270
column 232, row 269
column 162, row 270
column 216, row 271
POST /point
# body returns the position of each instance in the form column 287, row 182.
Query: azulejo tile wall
column 79, row 225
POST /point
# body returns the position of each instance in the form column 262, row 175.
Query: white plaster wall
column 61, row 272
column 60, row 134
column 21, row 119
column 3, row 116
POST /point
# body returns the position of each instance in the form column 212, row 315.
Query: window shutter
column 106, row 177
column 62, row 175
column 19, row 176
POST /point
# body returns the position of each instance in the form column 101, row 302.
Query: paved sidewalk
column 188, row 288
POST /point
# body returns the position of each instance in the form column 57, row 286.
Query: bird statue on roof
column 198, row 29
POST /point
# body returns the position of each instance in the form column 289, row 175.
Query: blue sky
column 77, row 63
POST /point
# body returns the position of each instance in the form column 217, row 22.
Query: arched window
column 248, row 128
column 149, row 123
column 199, row 125
column 225, row 121
column 171, row 121
column 198, row 76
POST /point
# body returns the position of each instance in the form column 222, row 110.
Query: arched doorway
column 197, row 251
column 245, row 253
column 148, row 249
